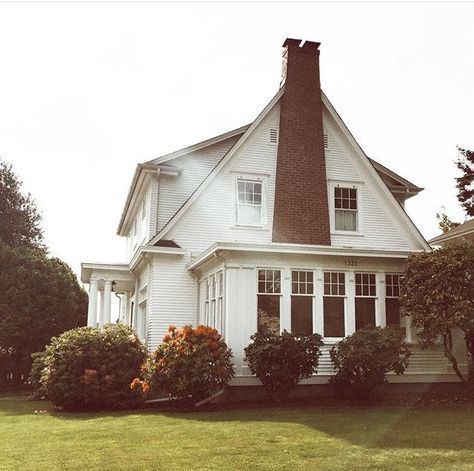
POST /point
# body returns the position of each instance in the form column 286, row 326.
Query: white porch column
column 107, row 301
column 380, row 314
column 92, row 309
column 101, row 311
column 350, row 320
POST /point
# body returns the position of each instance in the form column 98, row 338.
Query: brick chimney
column 301, row 213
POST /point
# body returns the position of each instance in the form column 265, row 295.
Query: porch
column 103, row 280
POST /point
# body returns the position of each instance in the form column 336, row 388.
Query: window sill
column 257, row 227
column 348, row 233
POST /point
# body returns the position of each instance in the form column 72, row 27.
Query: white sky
column 89, row 90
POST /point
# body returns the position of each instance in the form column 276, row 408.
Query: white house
column 284, row 222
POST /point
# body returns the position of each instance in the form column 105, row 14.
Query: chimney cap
column 295, row 42
column 301, row 43
column 311, row 45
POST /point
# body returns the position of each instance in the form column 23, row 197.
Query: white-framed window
column 268, row 300
column 219, row 325
column 392, row 299
column 206, row 301
column 334, row 304
column 302, row 292
column 365, row 297
column 249, row 202
column 214, row 301
column 134, row 233
column 345, row 209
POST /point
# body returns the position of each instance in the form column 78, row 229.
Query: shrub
column 37, row 367
column 88, row 368
column 281, row 361
column 190, row 363
column 362, row 360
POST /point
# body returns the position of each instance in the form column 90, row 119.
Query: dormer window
column 345, row 209
column 249, row 202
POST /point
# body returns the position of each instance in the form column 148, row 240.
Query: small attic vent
column 273, row 136
column 326, row 141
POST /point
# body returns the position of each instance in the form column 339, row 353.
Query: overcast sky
column 88, row 90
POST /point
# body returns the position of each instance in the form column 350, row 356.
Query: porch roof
column 297, row 249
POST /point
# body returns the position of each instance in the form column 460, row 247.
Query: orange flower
column 135, row 383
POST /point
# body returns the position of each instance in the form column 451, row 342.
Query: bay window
column 392, row 302
column 365, row 297
column 334, row 304
column 268, row 301
column 302, row 290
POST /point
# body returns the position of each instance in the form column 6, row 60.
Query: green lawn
column 296, row 438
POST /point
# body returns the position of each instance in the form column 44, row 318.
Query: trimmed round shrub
column 88, row 368
column 190, row 364
column 281, row 361
column 363, row 359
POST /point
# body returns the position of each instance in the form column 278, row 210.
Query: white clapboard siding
column 430, row 361
column 173, row 296
column 381, row 226
column 212, row 218
column 195, row 166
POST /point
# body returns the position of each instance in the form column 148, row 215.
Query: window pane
column 392, row 312
column 268, row 314
column 334, row 317
column 302, row 315
column 364, row 312
column 345, row 220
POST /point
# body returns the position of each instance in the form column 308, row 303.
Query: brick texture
column 301, row 213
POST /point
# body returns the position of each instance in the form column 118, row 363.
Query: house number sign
column 350, row 263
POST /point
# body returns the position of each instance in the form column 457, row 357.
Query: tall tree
column 465, row 183
column 40, row 297
column 19, row 216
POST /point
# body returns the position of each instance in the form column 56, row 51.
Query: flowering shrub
column 191, row 363
column 281, row 361
column 362, row 360
column 87, row 368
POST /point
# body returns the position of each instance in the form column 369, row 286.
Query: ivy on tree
column 446, row 302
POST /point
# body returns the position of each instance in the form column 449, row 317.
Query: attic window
column 273, row 136
column 326, row 141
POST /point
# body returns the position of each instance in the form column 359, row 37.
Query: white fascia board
column 171, row 223
column 87, row 269
column 135, row 189
column 198, row 146
column 298, row 249
column 139, row 254
column 371, row 169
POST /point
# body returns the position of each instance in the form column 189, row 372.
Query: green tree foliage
column 20, row 219
column 438, row 293
column 190, row 364
column 40, row 297
column 281, row 361
column 444, row 223
column 465, row 183
column 363, row 359
column 88, row 368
